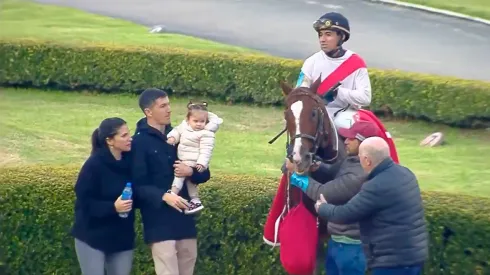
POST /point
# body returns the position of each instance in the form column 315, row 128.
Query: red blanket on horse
column 365, row 115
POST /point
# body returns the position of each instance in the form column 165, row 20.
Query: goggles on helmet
column 325, row 24
column 322, row 24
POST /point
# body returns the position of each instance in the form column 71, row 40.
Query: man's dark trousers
column 405, row 270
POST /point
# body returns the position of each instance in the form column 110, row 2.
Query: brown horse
column 310, row 129
column 312, row 137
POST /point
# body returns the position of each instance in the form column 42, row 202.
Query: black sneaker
column 194, row 207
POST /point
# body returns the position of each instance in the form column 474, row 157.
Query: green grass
column 28, row 20
column 54, row 128
column 478, row 8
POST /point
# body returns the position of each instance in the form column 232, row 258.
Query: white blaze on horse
column 296, row 109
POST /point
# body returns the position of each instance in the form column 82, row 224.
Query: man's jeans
column 404, row 270
column 345, row 259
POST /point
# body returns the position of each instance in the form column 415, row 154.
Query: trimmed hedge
column 234, row 78
column 37, row 211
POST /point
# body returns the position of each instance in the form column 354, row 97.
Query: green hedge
column 37, row 210
column 234, row 78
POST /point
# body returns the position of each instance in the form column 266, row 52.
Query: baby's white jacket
column 196, row 147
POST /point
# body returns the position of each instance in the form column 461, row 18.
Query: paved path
column 387, row 36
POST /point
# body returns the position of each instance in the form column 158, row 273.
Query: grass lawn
column 24, row 19
column 55, row 127
column 478, row 8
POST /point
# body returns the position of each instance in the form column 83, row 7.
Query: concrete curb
column 433, row 10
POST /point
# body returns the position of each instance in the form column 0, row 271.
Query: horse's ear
column 315, row 85
column 286, row 89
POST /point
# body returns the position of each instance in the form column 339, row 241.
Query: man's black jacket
column 153, row 174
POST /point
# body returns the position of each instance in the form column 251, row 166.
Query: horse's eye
column 313, row 114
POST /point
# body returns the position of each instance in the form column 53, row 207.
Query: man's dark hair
column 149, row 96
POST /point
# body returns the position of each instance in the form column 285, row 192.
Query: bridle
column 321, row 132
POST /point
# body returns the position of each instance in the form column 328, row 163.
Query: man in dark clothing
column 344, row 250
column 170, row 233
column 390, row 211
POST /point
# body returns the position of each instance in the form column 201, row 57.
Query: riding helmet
column 333, row 21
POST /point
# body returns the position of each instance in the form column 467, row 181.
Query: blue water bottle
column 127, row 193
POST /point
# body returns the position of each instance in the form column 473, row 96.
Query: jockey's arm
column 303, row 80
column 361, row 96
column 305, row 77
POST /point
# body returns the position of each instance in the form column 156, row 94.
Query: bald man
column 390, row 213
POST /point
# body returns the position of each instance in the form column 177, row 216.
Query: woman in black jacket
column 104, row 237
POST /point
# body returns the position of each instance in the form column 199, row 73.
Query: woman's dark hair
column 201, row 106
column 107, row 129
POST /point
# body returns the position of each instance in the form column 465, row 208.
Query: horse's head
column 307, row 124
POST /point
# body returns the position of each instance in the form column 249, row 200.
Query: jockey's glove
column 331, row 95
column 300, row 181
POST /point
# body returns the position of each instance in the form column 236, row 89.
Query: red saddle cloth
column 277, row 210
column 299, row 235
column 296, row 228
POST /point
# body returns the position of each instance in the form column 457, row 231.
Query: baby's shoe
column 195, row 206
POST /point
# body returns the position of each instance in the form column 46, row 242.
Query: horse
column 312, row 137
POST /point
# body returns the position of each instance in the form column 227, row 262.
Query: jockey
column 355, row 90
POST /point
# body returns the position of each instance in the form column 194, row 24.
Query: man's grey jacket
column 348, row 177
column 390, row 212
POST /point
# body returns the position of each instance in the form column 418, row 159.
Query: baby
column 195, row 136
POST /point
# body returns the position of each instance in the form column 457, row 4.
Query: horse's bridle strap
column 320, row 131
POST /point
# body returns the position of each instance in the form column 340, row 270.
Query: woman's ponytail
column 96, row 144
column 107, row 129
